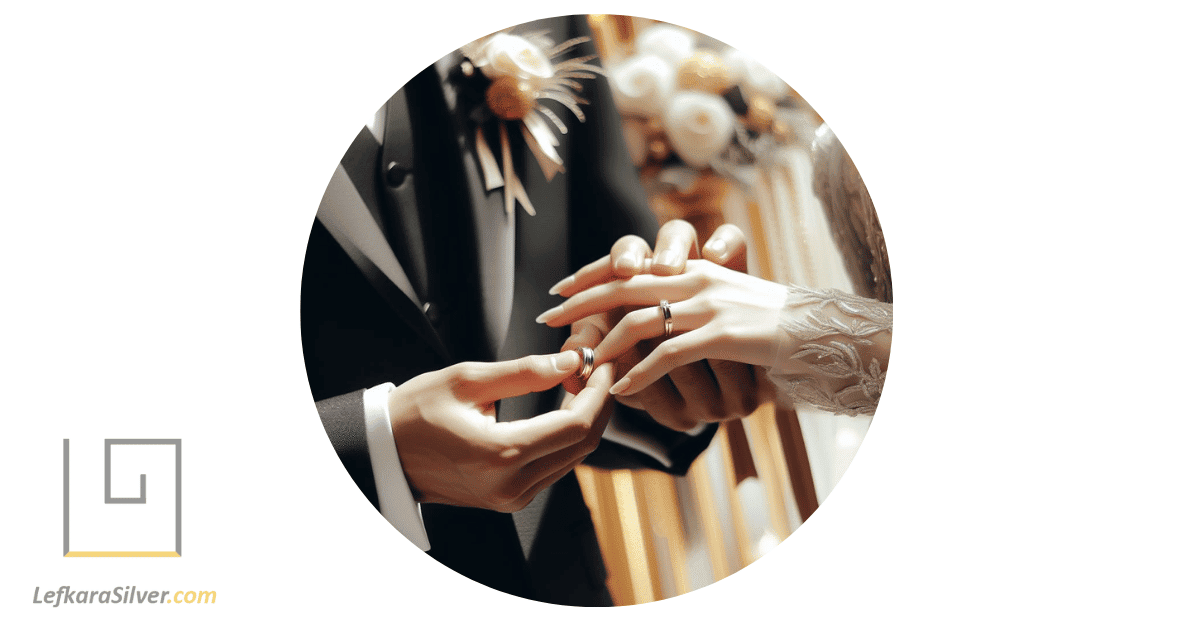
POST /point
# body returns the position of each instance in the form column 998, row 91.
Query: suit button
column 432, row 313
column 395, row 174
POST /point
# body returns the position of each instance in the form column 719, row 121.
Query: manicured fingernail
column 562, row 285
column 629, row 262
column 620, row 386
column 671, row 258
column 717, row 248
column 549, row 314
column 567, row 361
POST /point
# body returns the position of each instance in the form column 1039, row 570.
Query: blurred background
column 718, row 138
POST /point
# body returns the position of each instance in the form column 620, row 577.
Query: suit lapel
column 349, row 212
column 403, row 223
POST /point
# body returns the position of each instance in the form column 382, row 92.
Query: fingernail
column 717, row 248
column 620, row 386
column 671, row 258
column 628, row 262
column 562, row 285
column 565, row 362
column 548, row 314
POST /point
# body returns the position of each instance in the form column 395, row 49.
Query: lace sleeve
column 834, row 350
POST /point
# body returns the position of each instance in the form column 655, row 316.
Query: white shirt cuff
column 396, row 501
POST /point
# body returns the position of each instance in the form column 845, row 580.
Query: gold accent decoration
column 760, row 114
column 710, row 517
column 121, row 555
column 510, row 98
column 781, row 130
column 658, row 149
column 705, row 72
column 769, row 460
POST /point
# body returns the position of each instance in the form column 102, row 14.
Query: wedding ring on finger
column 588, row 362
column 668, row 322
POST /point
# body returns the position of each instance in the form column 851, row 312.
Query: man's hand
column 700, row 392
column 454, row 452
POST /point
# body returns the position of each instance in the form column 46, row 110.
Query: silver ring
column 668, row 322
column 589, row 361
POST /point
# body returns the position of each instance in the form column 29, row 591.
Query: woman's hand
column 716, row 313
column 699, row 392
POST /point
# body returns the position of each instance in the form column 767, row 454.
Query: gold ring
column 668, row 322
column 588, row 362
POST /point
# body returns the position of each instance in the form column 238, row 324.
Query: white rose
column 510, row 55
column 699, row 126
column 753, row 76
column 642, row 85
column 669, row 42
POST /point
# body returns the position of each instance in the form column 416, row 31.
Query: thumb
column 489, row 381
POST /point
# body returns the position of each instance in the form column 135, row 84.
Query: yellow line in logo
column 122, row 555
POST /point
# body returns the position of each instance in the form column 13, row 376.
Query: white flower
column 671, row 43
column 511, row 55
column 642, row 85
column 753, row 76
column 699, row 126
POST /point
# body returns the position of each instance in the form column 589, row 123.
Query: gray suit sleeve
column 343, row 418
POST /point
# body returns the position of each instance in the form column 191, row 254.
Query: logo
column 124, row 517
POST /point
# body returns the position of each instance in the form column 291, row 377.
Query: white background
column 100, row 527
column 1034, row 168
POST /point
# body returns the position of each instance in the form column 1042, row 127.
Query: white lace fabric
column 833, row 353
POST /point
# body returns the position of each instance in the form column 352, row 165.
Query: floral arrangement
column 699, row 104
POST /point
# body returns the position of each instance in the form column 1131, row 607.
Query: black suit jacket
column 423, row 187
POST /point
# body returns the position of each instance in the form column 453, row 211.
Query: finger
column 628, row 256
column 698, row 387
column 666, row 357
column 665, row 405
column 727, row 247
column 597, row 272
column 586, row 335
column 601, row 271
column 484, row 382
column 531, row 489
column 737, row 386
column 647, row 324
column 519, row 442
column 590, row 401
column 539, row 469
column 638, row 291
column 676, row 243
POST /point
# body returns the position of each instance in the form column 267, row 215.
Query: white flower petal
column 511, row 55
column 699, row 126
column 642, row 85
column 671, row 43
column 753, row 76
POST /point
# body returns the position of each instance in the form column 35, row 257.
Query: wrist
column 400, row 413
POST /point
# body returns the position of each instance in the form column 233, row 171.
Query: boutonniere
column 522, row 71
